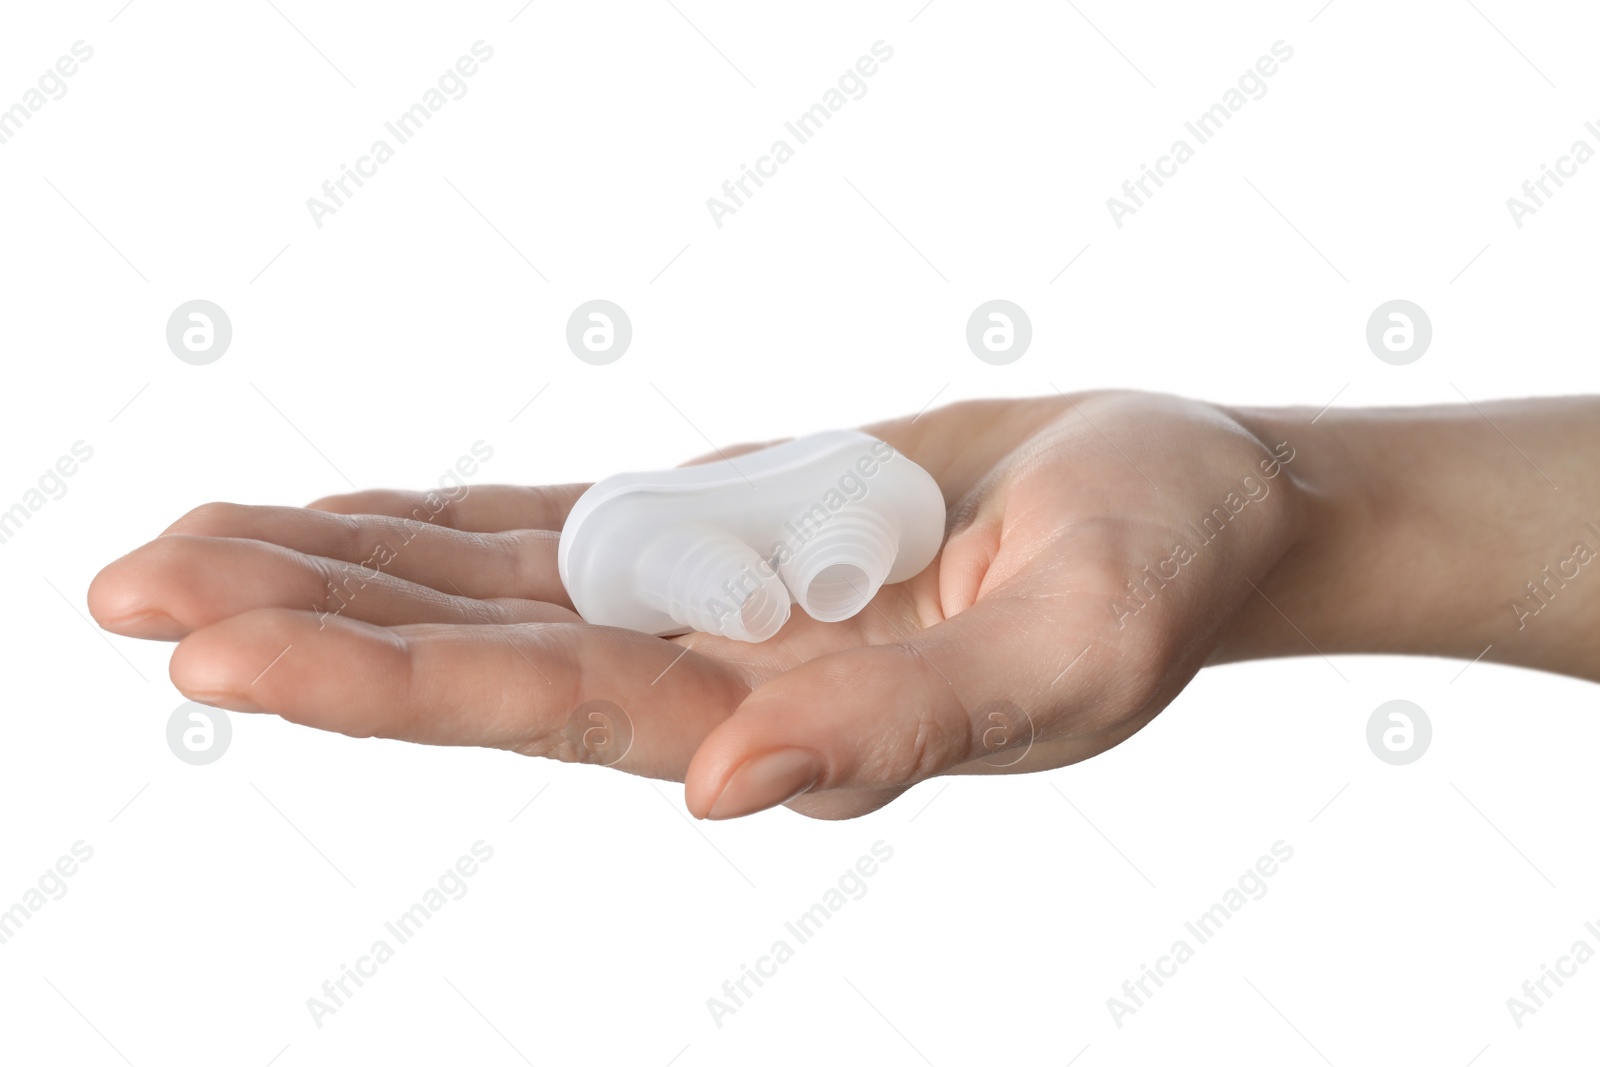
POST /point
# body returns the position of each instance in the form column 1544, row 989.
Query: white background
column 376, row 349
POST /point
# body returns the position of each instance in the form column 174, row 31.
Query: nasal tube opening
column 715, row 583
column 837, row 592
column 763, row 613
column 842, row 567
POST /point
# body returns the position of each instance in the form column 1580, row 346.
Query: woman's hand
column 1099, row 548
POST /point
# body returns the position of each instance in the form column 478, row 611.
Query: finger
column 481, row 508
column 177, row 584
column 732, row 452
column 570, row 692
column 985, row 684
column 517, row 563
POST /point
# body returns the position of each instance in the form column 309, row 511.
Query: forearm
column 1437, row 531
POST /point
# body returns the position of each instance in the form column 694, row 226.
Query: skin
column 1036, row 639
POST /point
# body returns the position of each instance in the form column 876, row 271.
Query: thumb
column 883, row 717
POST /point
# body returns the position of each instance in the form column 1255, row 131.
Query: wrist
column 1421, row 529
column 1341, row 510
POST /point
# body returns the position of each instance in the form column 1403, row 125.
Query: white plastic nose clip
column 824, row 520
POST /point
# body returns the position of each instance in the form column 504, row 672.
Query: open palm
column 1056, row 621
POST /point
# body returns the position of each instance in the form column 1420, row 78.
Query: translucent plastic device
column 823, row 521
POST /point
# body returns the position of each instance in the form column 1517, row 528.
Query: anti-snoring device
column 823, row 521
